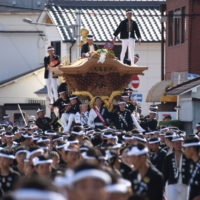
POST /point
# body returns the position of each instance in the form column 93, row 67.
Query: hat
column 90, row 37
column 72, row 97
column 191, row 142
column 136, row 151
column 154, row 140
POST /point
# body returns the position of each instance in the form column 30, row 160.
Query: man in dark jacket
column 51, row 80
column 128, row 29
column 88, row 47
column 146, row 180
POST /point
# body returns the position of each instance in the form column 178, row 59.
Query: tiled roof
column 184, row 87
column 101, row 19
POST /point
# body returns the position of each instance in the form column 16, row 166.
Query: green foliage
column 176, row 123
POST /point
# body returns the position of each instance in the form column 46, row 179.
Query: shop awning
column 158, row 93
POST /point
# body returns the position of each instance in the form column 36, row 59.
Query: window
column 170, row 28
column 183, row 25
column 57, row 46
column 177, row 23
column 176, row 27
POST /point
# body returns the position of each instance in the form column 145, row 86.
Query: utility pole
column 78, row 30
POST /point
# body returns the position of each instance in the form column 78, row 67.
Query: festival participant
column 146, row 180
column 149, row 123
column 128, row 29
column 122, row 118
column 89, row 181
column 157, row 155
column 7, row 175
column 67, row 117
column 99, row 117
column 43, row 122
column 176, row 171
column 60, row 103
column 192, row 149
column 51, row 61
column 88, row 47
column 42, row 166
column 20, row 155
column 82, row 116
column 6, row 120
column 136, row 59
column 198, row 129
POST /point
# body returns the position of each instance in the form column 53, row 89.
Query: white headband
column 140, row 139
column 9, row 135
column 78, row 133
column 37, row 161
column 51, row 49
column 137, row 152
column 21, row 151
column 117, row 188
column 7, row 156
column 154, row 142
column 72, row 98
column 50, row 133
column 60, row 146
column 43, row 140
column 94, row 173
column 58, row 139
column 124, row 96
column 177, row 139
column 35, row 194
column 192, row 144
column 128, row 138
column 85, row 156
column 36, row 151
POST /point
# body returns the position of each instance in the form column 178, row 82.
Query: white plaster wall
column 23, row 89
column 20, row 52
column 150, row 56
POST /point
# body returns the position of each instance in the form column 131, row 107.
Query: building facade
column 182, row 37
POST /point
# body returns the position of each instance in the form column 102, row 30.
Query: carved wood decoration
column 100, row 79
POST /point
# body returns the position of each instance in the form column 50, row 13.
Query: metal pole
column 78, row 29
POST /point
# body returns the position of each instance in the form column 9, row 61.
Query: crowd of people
column 97, row 154
column 84, row 151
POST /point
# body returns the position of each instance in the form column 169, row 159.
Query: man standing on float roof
column 128, row 29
